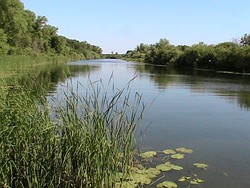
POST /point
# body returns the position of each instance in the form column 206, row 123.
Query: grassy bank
column 13, row 65
column 79, row 141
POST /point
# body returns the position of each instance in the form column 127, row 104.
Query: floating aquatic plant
column 201, row 165
column 168, row 166
column 163, row 167
column 139, row 175
column 167, row 184
column 177, row 156
column 191, row 181
column 184, row 178
column 148, row 154
column 196, row 181
column 169, row 151
column 184, row 150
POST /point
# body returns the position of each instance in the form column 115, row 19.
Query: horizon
column 121, row 26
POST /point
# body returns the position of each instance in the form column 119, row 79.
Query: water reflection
column 193, row 109
column 82, row 70
column 231, row 87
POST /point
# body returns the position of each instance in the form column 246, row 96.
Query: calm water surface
column 203, row 111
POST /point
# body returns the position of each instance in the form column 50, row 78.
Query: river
column 206, row 112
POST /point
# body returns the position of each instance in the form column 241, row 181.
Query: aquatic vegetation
column 167, row 184
column 169, row 151
column 184, row 150
column 78, row 141
column 148, row 154
column 188, row 179
column 141, row 175
column 201, row 165
column 178, row 156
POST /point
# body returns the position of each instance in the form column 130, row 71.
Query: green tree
column 162, row 53
column 13, row 20
column 245, row 40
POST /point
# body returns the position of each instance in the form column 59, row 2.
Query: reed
column 14, row 65
column 72, row 141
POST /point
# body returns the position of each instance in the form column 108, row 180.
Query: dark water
column 206, row 112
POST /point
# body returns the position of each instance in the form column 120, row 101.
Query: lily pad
column 177, row 156
column 184, row 178
column 153, row 171
column 184, row 150
column 163, row 167
column 201, row 165
column 140, row 178
column 146, row 173
column 173, row 166
column 169, row 151
column 167, row 184
column 196, row 181
column 176, row 167
column 148, row 154
column 168, row 166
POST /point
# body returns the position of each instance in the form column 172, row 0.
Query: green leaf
column 184, row 178
column 176, row 167
column 177, row 156
column 153, row 171
column 163, row 167
column 184, row 150
column 168, row 166
column 201, row 165
column 148, row 154
column 196, row 181
column 160, row 185
column 140, row 178
column 169, row 184
column 169, row 151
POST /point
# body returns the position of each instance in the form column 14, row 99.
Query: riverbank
column 14, row 65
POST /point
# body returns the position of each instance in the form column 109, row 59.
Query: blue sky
column 120, row 25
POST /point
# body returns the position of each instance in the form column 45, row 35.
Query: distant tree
column 162, row 53
column 245, row 40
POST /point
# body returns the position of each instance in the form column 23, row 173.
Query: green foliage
column 140, row 174
column 88, row 142
column 227, row 56
column 3, row 42
column 22, row 32
column 245, row 40
column 167, row 184
column 161, row 53
column 148, row 154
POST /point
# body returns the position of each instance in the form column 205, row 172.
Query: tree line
column 226, row 56
column 22, row 32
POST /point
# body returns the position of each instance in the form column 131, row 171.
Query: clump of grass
column 80, row 141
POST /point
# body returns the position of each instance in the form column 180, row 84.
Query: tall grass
column 80, row 141
column 13, row 65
